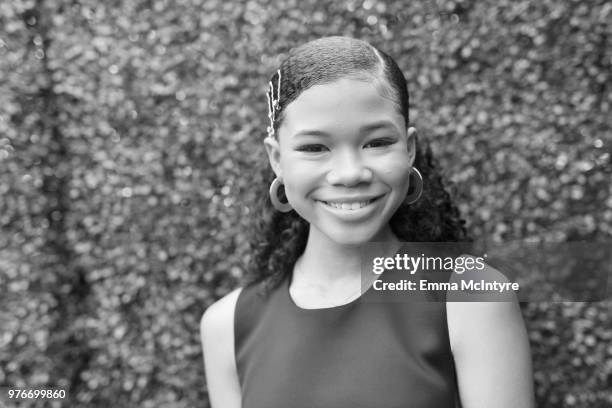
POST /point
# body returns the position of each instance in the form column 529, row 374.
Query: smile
column 349, row 206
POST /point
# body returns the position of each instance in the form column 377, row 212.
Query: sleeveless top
column 363, row 354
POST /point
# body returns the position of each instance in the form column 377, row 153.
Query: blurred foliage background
column 128, row 135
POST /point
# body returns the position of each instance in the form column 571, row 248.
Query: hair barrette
column 273, row 104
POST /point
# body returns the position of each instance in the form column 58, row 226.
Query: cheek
column 298, row 182
column 396, row 170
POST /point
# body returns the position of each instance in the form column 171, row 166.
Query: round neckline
column 322, row 309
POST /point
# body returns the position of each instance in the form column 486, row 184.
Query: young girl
column 348, row 171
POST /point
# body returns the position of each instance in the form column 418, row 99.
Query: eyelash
column 309, row 148
column 384, row 142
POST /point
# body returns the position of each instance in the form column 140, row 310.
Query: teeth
column 348, row 206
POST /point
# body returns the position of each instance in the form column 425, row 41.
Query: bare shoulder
column 217, row 332
column 484, row 313
column 218, row 318
column 490, row 346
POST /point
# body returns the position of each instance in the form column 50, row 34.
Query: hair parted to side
column 278, row 239
column 329, row 59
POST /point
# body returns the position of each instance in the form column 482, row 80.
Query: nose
column 348, row 169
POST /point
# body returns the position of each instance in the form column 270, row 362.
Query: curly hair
column 278, row 239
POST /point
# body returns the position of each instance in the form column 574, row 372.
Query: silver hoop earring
column 282, row 207
column 418, row 188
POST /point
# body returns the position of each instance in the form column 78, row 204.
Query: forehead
column 343, row 105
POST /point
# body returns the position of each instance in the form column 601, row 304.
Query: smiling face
column 344, row 156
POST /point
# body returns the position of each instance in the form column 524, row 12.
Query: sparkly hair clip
column 273, row 104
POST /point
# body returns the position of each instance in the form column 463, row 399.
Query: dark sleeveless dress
column 364, row 354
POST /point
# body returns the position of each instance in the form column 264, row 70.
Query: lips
column 349, row 204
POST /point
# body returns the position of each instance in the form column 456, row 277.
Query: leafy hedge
column 128, row 131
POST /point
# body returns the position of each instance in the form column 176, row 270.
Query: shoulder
column 217, row 332
column 481, row 315
column 218, row 319
column 490, row 346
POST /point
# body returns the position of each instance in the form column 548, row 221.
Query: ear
column 412, row 134
column 273, row 150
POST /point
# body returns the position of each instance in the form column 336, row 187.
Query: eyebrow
column 385, row 124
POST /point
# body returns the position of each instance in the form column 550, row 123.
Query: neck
column 325, row 260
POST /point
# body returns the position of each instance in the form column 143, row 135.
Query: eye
column 311, row 148
column 380, row 143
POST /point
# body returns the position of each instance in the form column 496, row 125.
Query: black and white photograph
column 306, row 204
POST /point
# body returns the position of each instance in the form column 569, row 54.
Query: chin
column 352, row 236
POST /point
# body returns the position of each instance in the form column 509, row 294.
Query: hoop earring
column 418, row 188
column 282, row 207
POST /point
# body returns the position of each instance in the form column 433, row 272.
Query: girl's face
column 344, row 156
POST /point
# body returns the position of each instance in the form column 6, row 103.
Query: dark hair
column 280, row 238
